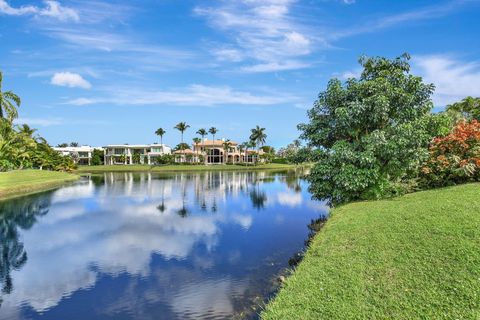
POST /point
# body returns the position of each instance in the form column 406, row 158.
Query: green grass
column 21, row 182
column 413, row 257
column 171, row 168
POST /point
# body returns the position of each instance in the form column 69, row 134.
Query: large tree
column 160, row 132
column 9, row 103
column 182, row 127
column 371, row 133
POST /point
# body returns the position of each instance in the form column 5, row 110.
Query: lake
column 204, row 245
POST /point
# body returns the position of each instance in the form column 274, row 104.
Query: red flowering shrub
column 454, row 158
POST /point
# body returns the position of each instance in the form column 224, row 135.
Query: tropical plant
column 467, row 109
column 226, row 145
column 258, row 136
column 160, row 132
column 202, row 132
column 62, row 145
column 196, row 141
column 371, row 133
column 182, row 127
column 9, row 103
column 74, row 144
column 213, row 131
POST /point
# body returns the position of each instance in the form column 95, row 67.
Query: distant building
column 80, row 155
column 213, row 152
column 125, row 153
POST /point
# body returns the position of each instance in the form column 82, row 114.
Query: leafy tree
column 97, row 157
column 9, row 103
column 372, row 133
column 160, row 132
column 467, row 109
column 74, row 144
column 62, row 145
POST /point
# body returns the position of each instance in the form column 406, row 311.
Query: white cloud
column 275, row 66
column 193, row 95
column 290, row 199
column 454, row 79
column 43, row 122
column 263, row 31
column 52, row 9
column 69, row 79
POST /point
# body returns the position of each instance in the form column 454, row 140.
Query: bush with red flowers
column 455, row 158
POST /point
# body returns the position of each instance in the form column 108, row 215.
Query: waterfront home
column 138, row 153
column 213, row 152
column 80, row 155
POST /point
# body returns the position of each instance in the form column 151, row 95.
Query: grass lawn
column 413, row 257
column 21, row 182
column 170, row 168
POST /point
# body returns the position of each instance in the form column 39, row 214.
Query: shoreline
column 346, row 271
column 19, row 183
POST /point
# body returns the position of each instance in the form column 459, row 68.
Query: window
column 118, row 151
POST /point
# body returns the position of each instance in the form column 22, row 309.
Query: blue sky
column 100, row 72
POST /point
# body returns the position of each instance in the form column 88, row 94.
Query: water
column 151, row 246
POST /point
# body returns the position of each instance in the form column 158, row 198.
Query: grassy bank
column 172, row 168
column 414, row 257
column 21, row 182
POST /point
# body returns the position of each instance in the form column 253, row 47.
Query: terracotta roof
column 219, row 143
column 186, row 151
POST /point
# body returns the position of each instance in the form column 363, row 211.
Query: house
column 130, row 154
column 213, row 152
column 80, row 155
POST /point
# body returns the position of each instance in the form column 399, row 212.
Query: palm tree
column 226, row 146
column 196, row 141
column 252, row 144
column 182, row 127
column 9, row 103
column 202, row 132
column 213, row 131
column 160, row 132
column 73, row 144
column 258, row 135
column 26, row 130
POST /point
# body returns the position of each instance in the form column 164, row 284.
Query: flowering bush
column 454, row 158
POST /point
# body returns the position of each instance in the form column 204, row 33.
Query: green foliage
column 467, row 109
column 19, row 149
column 136, row 158
column 181, row 146
column 371, row 133
column 165, row 159
column 9, row 103
column 97, row 157
column 300, row 155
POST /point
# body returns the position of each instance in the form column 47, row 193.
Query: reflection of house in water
column 208, row 189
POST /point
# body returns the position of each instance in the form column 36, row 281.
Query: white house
column 80, row 155
column 129, row 154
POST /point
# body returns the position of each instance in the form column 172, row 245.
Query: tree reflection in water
column 14, row 214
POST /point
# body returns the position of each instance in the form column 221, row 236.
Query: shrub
column 454, row 158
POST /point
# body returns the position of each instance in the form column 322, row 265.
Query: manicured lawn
column 20, row 182
column 413, row 257
column 166, row 168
